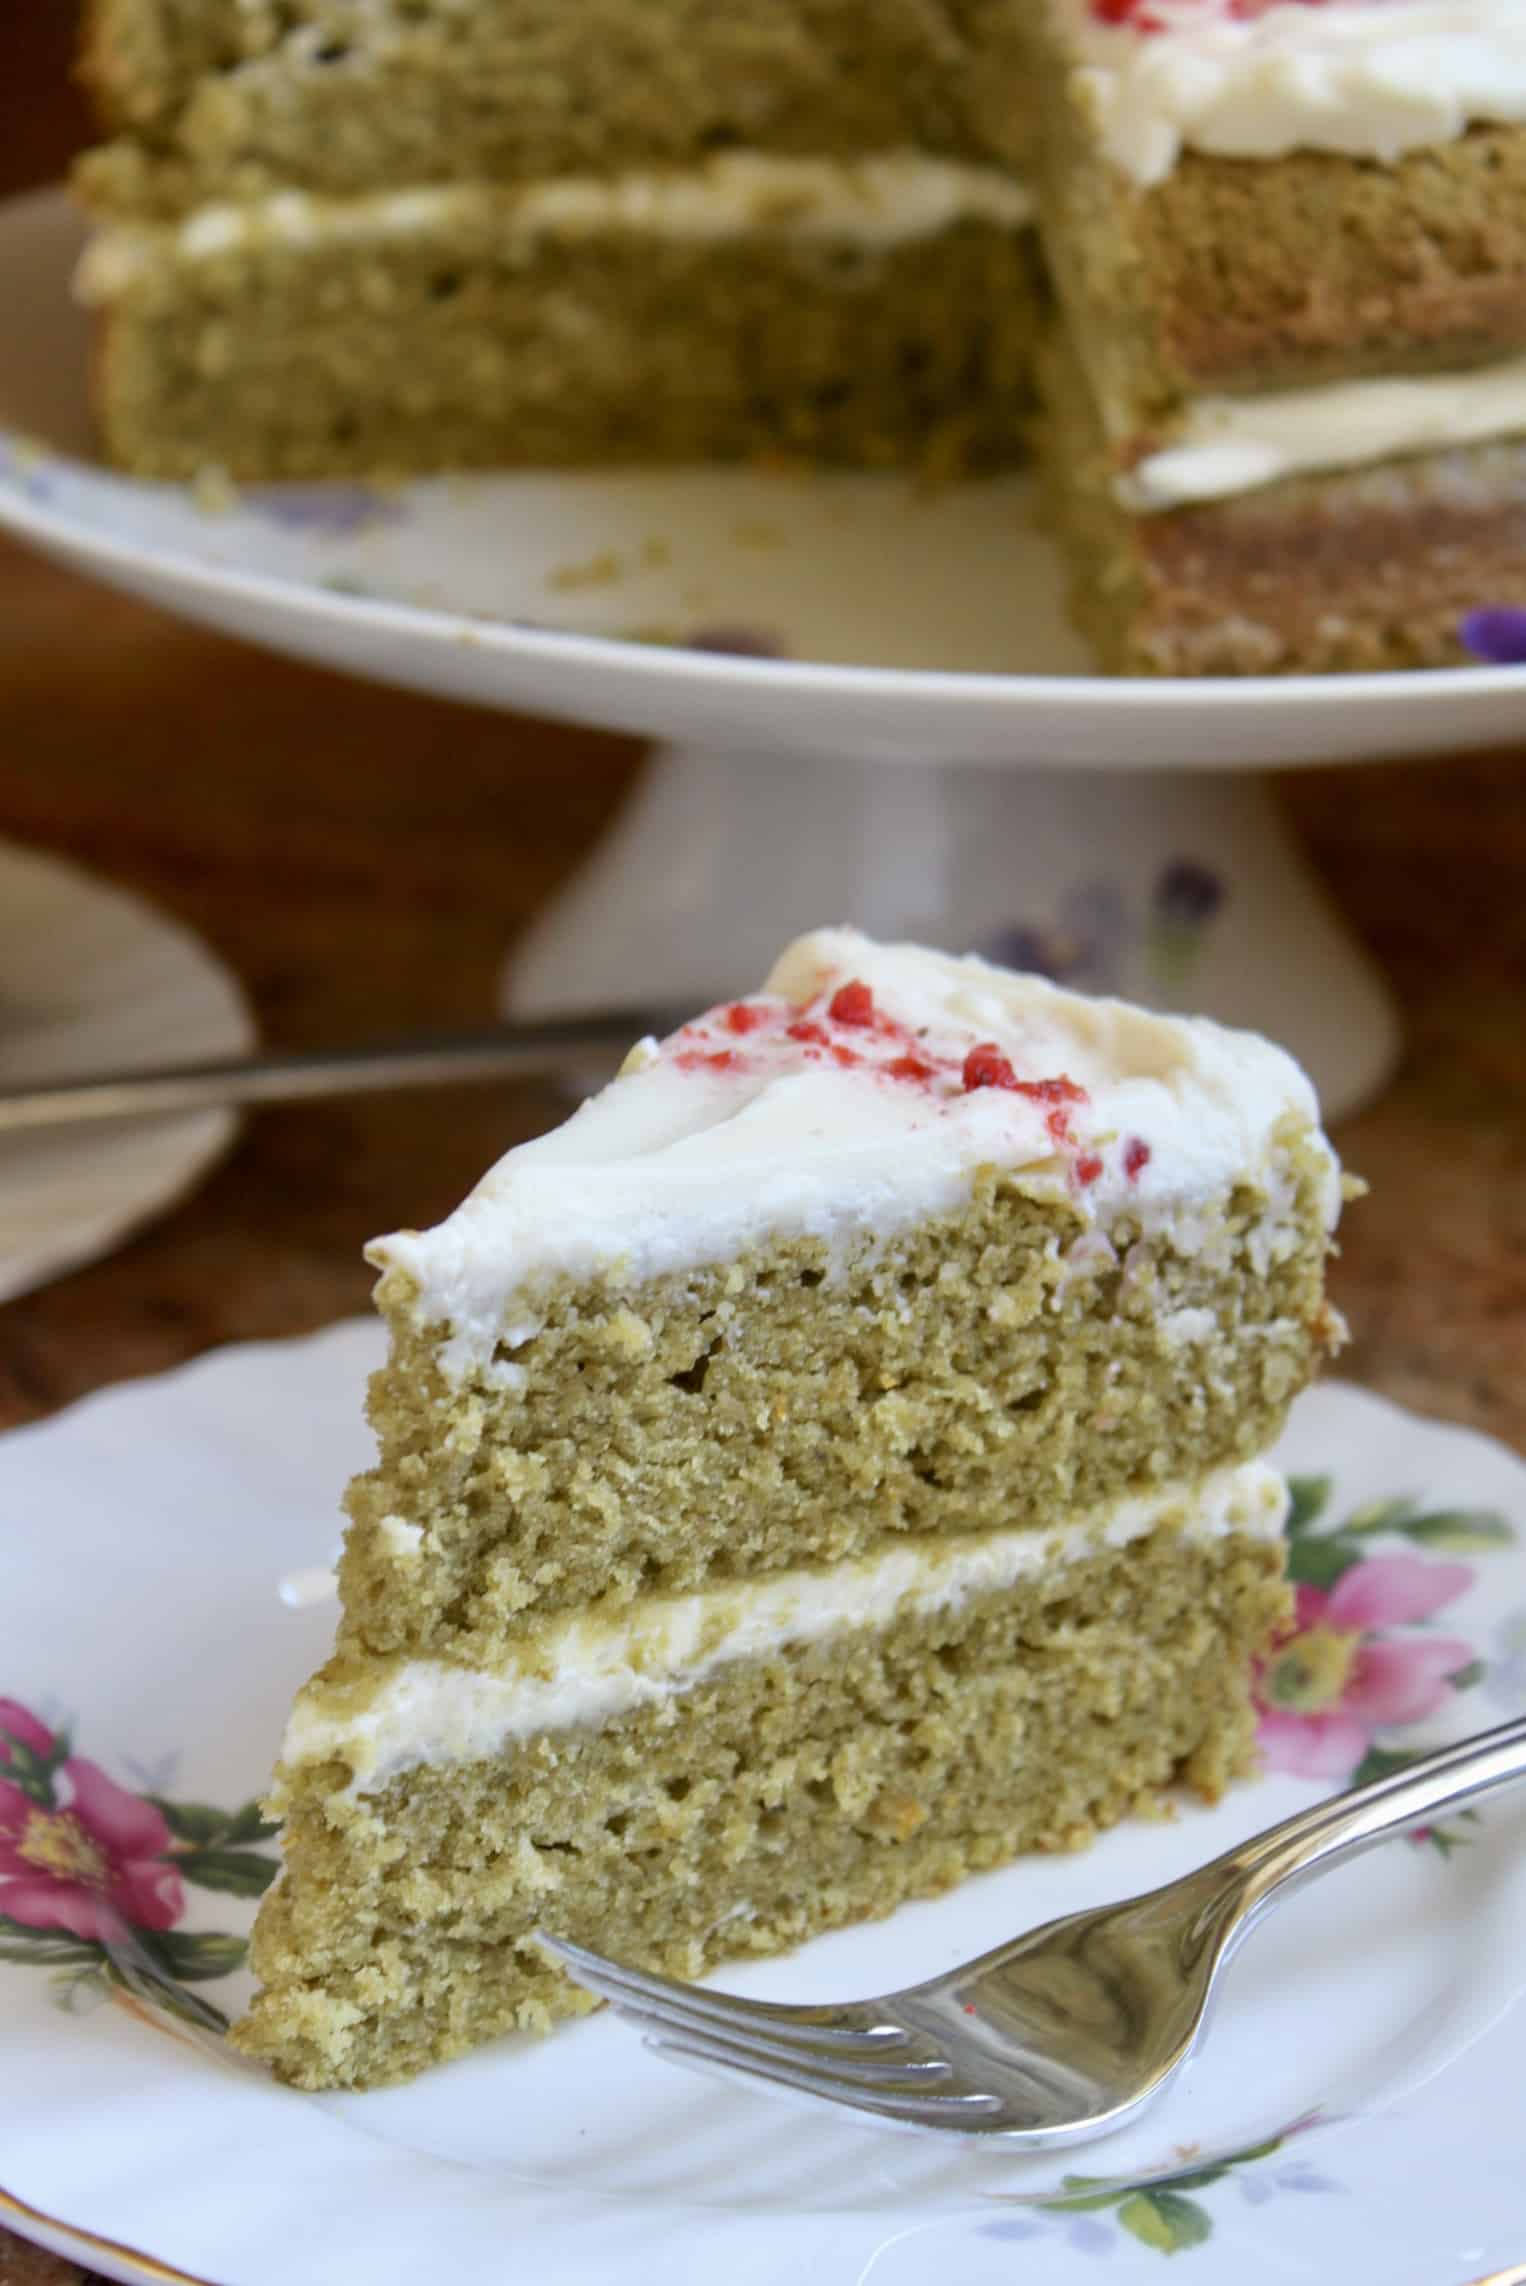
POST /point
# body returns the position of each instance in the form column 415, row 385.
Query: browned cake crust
column 1364, row 569
column 1240, row 275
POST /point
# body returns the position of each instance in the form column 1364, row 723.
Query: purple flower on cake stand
column 1184, row 904
column 1097, row 923
column 1084, row 946
column 1496, row 634
column 336, row 511
column 1187, row 894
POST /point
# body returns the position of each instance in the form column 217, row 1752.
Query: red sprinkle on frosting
column 1136, row 1157
column 1141, row 16
column 1061, row 1090
column 1134, row 12
column 844, row 1028
column 852, row 1004
column 911, row 1068
column 986, row 1066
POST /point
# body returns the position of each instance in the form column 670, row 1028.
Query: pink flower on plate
column 89, row 1860
column 1333, row 1680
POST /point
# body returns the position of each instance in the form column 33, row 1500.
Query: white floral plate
column 93, row 979
column 1355, row 2113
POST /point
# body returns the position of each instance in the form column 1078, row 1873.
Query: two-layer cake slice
column 1286, row 413
column 824, row 1467
column 362, row 236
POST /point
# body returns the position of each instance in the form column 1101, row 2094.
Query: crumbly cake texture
column 1233, row 280
column 1229, row 275
column 340, row 96
column 820, row 1469
column 276, row 358
column 1360, row 571
column 778, row 1798
column 352, row 341
column 770, row 1411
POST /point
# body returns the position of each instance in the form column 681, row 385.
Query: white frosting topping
column 1372, row 78
column 782, row 1116
column 586, row 1669
column 1225, row 445
column 884, row 199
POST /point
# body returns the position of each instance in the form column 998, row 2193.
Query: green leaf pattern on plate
column 1167, row 2212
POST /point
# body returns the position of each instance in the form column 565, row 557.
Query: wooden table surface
column 362, row 859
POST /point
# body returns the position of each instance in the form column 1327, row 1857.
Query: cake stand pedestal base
column 1181, row 890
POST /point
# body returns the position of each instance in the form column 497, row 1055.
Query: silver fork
column 1062, row 2033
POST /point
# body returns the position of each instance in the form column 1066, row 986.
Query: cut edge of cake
column 1283, row 411
column 646, row 1764
column 727, row 1778
column 879, row 310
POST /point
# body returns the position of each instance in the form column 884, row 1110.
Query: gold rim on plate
column 148, row 2265
column 88, row 2243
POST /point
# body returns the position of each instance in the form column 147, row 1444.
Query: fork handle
column 1311, row 1841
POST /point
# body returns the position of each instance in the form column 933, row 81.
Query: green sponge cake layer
column 738, row 1420
column 228, row 100
column 957, row 1304
column 867, row 315
column 753, row 1804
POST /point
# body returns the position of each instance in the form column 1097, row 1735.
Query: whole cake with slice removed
column 824, row 1467
column 1259, row 264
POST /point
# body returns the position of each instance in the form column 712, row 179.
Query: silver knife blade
column 539, row 1049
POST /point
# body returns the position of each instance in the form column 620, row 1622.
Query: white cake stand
column 965, row 780
column 1179, row 890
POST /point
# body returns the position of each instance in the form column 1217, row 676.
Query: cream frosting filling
column 1370, row 78
column 1229, row 445
column 587, row 1669
column 885, row 199
column 721, row 1140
